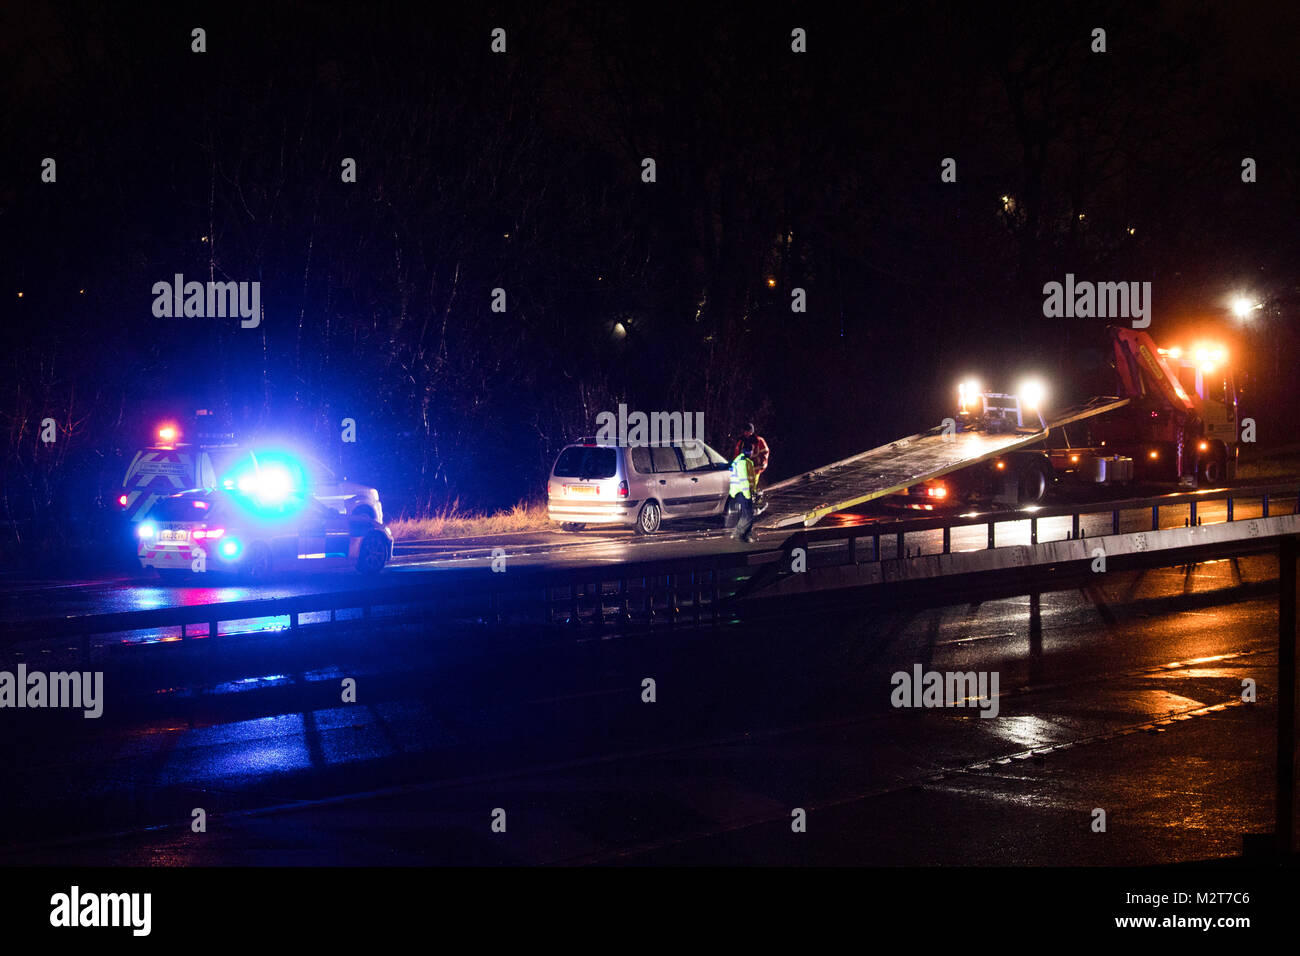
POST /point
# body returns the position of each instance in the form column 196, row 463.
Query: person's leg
column 744, row 527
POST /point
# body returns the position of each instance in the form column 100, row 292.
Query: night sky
column 522, row 171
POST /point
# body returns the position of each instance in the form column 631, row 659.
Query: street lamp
column 1243, row 306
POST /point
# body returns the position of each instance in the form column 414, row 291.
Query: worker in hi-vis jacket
column 744, row 482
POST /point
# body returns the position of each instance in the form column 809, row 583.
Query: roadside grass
column 1280, row 463
column 453, row 522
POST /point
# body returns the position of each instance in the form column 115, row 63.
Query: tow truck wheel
column 257, row 564
column 1212, row 469
column 648, row 518
column 1033, row 484
column 373, row 553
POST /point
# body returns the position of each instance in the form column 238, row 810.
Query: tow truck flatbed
column 891, row 469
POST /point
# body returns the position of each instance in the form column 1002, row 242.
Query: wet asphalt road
column 1125, row 696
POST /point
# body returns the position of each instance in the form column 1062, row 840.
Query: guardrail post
column 1229, row 500
column 1114, row 521
column 1033, row 531
column 898, row 545
column 293, row 621
column 853, row 549
column 1155, row 517
column 1264, row 501
column 947, row 540
column 623, row 611
column 1074, row 526
column 1289, row 555
column 875, row 548
column 992, row 525
column 1191, row 514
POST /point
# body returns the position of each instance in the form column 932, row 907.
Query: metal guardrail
column 691, row 589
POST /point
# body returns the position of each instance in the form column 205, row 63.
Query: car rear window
column 180, row 509
column 581, row 462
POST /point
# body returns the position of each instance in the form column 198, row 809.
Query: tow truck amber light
column 167, row 433
column 937, row 491
column 1074, row 459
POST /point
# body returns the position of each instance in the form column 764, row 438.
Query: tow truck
column 1174, row 419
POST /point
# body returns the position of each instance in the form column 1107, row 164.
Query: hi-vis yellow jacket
column 742, row 477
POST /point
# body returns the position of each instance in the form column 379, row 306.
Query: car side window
column 641, row 460
column 714, row 456
column 694, row 457
column 665, row 459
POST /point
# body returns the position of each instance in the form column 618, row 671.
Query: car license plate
column 173, row 535
column 582, row 489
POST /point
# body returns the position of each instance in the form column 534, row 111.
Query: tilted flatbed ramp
column 806, row 499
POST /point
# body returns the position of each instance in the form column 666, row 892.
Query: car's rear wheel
column 373, row 553
column 257, row 563
column 649, row 518
column 571, row 526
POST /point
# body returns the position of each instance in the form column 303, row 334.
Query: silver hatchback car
column 641, row 485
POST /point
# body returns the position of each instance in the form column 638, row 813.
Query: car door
column 669, row 483
column 317, row 525
column 710, row 478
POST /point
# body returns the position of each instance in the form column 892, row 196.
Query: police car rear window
column 578, row 462
column 180, row 509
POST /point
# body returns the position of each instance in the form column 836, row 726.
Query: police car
column 255, row 532
column 170, row 466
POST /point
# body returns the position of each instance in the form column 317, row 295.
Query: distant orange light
column 771, row 283
column 1153, row 453
column 167, row 433
column 1204, row 446
column 1000, row 465
column 1074, row 459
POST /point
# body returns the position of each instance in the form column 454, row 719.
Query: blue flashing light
column 146, row 529
column 229, row 548
column 270, row 484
